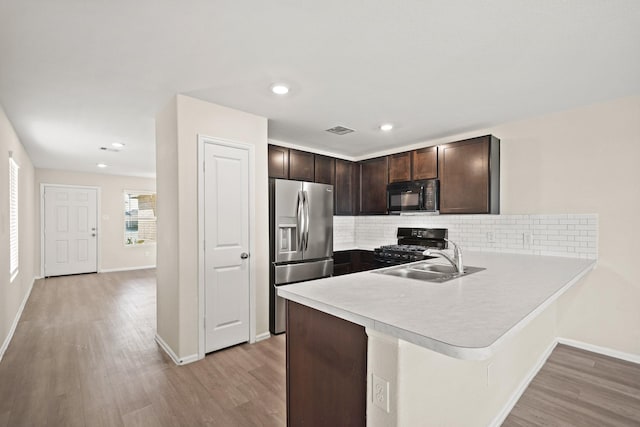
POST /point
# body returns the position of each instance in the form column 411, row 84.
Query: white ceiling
column 76, row 75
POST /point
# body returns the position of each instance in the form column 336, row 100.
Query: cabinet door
column 341, row 269
column 374, row 174
column 301, row 165
column 326, row 369
column 468, row 177
column 363, row 261
column 278, row 162
column 324, row 169
column 425, row 163
column 346, row 187
column 400, row 167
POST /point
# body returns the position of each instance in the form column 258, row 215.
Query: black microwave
column 413, row 196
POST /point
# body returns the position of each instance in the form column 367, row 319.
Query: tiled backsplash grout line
column 569, row 235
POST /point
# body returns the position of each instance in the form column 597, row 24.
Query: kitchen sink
column 428, row 272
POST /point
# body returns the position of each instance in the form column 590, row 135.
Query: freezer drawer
column 290, row 273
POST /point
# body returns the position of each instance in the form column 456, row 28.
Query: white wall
column 114, row 255
column 168, row 218
column 13, row 294
column 585, row 160
column 189, row 118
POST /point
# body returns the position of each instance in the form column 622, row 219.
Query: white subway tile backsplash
column 572, row 235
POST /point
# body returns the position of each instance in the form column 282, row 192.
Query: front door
column 70, row 230
column 226, row 246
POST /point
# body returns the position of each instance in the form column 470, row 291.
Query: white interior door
column 226, row 246
column 70, row 230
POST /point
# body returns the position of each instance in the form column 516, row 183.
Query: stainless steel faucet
column 456, row 261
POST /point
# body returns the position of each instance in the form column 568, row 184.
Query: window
column 13, row 219
column 139, row 217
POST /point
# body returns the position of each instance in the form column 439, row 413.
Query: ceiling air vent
column 340, row 130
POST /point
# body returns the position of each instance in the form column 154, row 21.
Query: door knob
column 93, row 235
column 244, row 255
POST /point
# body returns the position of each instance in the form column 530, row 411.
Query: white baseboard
column 508, row 407
column 629, row 357
column 16, row 320
column 113, row 270
column 263, row 336
column 188, row 359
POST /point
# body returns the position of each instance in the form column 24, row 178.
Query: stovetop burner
column 404, row 248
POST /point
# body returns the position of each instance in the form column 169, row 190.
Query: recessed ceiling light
column 386, row 127
column 280, row 89
column 101, row 165
column 117, row 144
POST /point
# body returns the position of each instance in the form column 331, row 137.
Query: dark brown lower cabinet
column 353, row 261
column 326, row 369
column 363, row 261
column 342, row 263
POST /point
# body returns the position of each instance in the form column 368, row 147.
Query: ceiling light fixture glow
column 280, row 89
column 117, row 144
column 101, row 165
column 386, row 127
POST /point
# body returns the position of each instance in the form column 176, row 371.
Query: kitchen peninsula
column 437, row 348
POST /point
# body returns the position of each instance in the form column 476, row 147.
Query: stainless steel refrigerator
column 300, row 236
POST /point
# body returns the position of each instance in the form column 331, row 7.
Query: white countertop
column 466, row 318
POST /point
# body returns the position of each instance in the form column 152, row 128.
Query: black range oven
column 412, row 242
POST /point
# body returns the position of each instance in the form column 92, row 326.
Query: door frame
column 43, row 185
column 250, row 148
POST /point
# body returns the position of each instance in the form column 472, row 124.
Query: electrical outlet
column 491, row 237
column 380, row 393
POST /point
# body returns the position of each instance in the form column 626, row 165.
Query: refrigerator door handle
column 305, row 202
column 300, row 221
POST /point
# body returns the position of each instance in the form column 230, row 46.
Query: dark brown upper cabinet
column 469, row 173
column 400, row 167
column 425, row 163
column 324, row 169
column 346, row 187
column 374, row 177
column 301, row 165
column 278, row 162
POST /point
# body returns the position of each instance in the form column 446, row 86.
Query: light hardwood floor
column 84, row 355
column 580, row 388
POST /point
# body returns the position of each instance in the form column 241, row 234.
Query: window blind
column 13, row 218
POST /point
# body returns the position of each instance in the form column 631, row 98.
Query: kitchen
column 548, row 181
column 568, row 145
column 560, row 235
